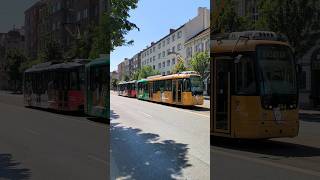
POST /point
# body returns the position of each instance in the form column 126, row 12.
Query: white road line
column 97, row 159
column 148, row 115
column 32, row 132
column 287, row 167
column 182, row 110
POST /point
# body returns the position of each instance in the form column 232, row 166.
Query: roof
column 54, row 66
column 99, row 61
column 198, row 34
column 226, row 46
column 174, row 76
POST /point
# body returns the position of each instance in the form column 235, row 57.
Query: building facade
column 62, row 21
column 162, row 55
column 31, row 25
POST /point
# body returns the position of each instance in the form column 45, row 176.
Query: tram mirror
column 237, row 58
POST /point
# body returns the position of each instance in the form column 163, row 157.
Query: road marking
column 283, row 166
column 97, row 159
column 193, row 113
column 182, row 110
column 148, row 115
column 32, row 132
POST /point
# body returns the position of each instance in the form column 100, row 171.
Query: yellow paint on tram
column 256, row 115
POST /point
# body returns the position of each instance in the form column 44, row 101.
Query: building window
column 159, row 45
column 163, row 73
column 302, row 80
column 154, row 48
column 154, row 58
column 168, row 41
column 179, row 47
column 163, row 53
column 154, row 67
column 159, row 66
column 168, row 51
column 159, row 55
column 163, row 43
column 173, row 49
column 150, row 50
column 173, row 37
column 179, row 34
column 163, row 64
column 168, row 62
column 168, row 72
column 85, row 13
column 207, row 45
column 173, row 62
column 79, row 16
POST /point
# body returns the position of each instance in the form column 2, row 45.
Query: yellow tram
column 185, row 88
column 254, row 86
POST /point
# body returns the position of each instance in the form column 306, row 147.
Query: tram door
column 222, row 93
column 150, row 90
column 174, row 90
column 179, row 89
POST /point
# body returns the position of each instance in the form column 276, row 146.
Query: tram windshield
column 277, row 70
column 196, row 84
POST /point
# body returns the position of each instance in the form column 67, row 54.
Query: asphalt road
column 276, row 159
column 37, row 144
column 156, row 141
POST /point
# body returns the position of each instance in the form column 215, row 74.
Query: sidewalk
column 303, row 111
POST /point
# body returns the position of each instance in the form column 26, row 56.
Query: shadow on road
column 65, row 113
column 140, row 155
column 267, row 147
column 9, row 169
column 309, row 117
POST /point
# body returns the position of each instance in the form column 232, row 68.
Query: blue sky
column 155, row 18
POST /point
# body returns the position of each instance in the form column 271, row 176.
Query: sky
column 12, row 13
column 155, row 18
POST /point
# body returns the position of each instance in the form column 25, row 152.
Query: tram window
column 245, row 76
column 168, row 85
column 186, row 85
column 74, row 80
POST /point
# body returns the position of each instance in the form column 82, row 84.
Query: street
column 276, row 159
column 38, row 144
column 156, row 141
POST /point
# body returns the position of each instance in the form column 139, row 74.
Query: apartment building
column 162, row 54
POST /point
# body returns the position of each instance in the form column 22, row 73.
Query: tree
column 114, row 83
column 147, row 71
column 200, row 62
column 297, row 19
column 228, row 20
column 179, row 67
column 52, row 51
column 15, row 58
column 118, row 22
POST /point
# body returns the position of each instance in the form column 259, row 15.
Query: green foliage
column 297, row 19
column 52, row 52
column 15, row 58
column 118, row 22
column 200, row 62
column 114, row 83
column 101, row 38
column 144, row 72
column 147, row 71
column 228, row 20
column 179, row 67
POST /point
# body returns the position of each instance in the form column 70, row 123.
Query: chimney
column 172, row 30
column 152, row 43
